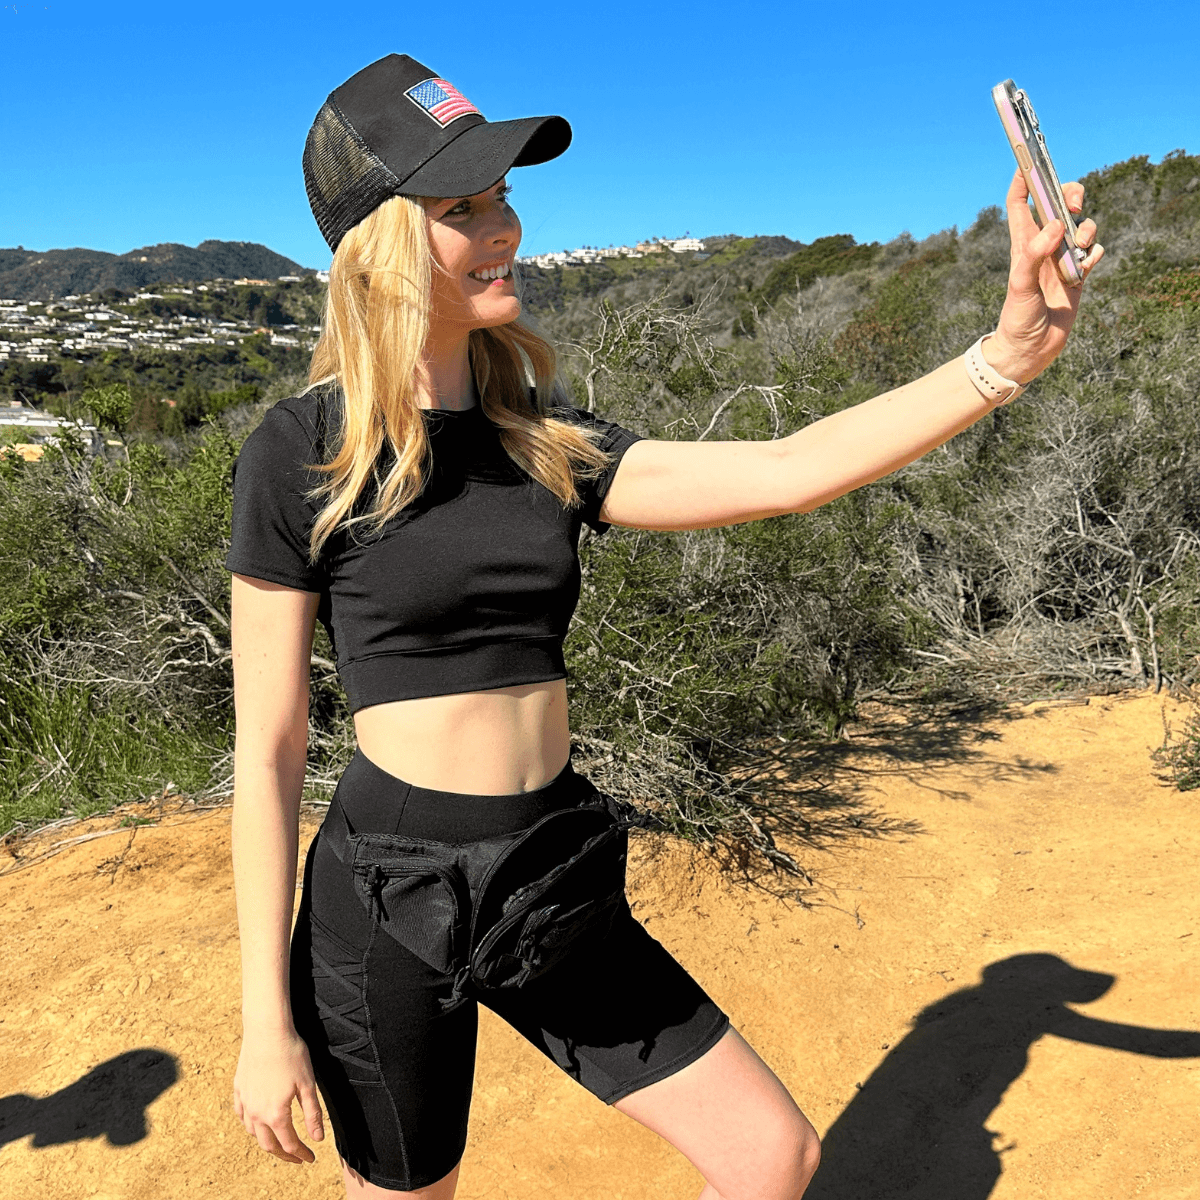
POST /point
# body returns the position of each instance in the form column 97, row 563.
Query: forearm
column 266, row 806
column 842, row 452
column 864, row 443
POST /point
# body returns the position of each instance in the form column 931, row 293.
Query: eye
column 463, row 207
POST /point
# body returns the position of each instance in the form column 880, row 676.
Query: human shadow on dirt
column 110, row 1100
column 916, row 1129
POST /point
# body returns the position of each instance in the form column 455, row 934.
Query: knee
column 797, row 1152
column 803, row 1160
column 809, row 1158
column 787, row 1159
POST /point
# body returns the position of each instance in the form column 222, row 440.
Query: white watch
column 991, row 384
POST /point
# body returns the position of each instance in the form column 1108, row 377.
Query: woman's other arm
column 272, row 631
column 699, row 485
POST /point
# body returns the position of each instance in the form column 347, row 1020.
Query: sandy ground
column 1005, row 1003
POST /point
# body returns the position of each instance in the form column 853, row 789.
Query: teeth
column 489, row 273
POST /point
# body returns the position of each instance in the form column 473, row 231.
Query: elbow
column 279, row 753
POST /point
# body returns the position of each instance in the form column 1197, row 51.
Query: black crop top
column 471, row 586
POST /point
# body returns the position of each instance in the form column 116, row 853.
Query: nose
column 503, row 226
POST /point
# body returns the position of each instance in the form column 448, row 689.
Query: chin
column 502, row 311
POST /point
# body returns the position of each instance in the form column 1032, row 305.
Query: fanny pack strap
column 337, row 828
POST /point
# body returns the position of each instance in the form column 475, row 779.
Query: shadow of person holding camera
column 109, row 1101
column 917, row 1129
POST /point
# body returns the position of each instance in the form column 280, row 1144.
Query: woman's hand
column 273, row 1070
column 1040, row 309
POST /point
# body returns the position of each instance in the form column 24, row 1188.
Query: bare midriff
column 492, row 743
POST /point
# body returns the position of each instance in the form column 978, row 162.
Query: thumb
column 1027, row 269
column 311, row 1107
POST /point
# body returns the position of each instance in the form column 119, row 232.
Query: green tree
column 111, row 406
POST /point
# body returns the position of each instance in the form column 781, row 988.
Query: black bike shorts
column 394, row 1067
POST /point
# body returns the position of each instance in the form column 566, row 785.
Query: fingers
column 1085, row 235
column 279, row 1138
column 1094, row 256
column 1085, row 231
column 1021, row 223
column 311, row 1108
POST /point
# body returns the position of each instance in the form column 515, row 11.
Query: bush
column 1179, row 757
column 113, row 623
column 1053, row 545
column 691, row 651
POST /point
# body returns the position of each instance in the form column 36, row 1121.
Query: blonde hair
column 372, row 344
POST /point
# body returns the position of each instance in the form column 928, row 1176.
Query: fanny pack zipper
column 487, row 875
column 528, row 901
column 378, row 874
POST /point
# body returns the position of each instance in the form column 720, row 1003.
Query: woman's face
column 474, row 240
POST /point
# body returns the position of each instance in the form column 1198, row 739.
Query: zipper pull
column 458, row 989
column 372, row 884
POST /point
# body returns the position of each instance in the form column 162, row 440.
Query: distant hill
column 561, row 297
column 52, row 274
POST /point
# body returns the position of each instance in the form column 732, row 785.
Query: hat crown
column 379, row 103
column 397, row 128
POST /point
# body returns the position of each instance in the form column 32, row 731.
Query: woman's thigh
column 730, row 1115
column 617, row 1014
column 623, row 1018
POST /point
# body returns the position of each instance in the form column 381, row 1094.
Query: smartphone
column 1025, row 137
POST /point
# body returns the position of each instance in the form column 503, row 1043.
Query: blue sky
column 126, row 124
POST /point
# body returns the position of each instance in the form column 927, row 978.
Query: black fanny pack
column 499, row 912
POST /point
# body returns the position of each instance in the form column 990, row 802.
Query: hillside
column 1148, row 214
column 744, row 259
column 52, row 274
column 1052, row 548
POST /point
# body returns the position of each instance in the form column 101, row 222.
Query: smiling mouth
column 487, row 274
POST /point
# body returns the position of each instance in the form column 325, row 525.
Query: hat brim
column 482, row 154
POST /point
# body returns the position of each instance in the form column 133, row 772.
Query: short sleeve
column 272, row 519
column 615, row 440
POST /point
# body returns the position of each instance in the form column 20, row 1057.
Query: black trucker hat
column 398, row 129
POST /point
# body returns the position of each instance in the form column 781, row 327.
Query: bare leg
column 729, row 1114
column 357, row 1188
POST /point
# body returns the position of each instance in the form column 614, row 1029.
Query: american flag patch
column 441, row 100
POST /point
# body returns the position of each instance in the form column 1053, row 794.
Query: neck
column 451, row 384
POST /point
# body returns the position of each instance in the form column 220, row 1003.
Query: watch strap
column 991, row 384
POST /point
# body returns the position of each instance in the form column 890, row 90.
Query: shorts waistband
column 375, row 801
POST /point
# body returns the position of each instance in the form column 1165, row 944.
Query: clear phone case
column 1029, row 147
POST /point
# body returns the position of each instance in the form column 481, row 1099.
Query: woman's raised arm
column 700, row 485
column 272, row 629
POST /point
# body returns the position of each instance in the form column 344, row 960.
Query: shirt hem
column 448, row 670
column 272, row 576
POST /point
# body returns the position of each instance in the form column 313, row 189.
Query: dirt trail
column 1044, row 920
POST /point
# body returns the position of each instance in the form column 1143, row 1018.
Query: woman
column 425, row 504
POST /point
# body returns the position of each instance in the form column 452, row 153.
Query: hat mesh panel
column 344, row 180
